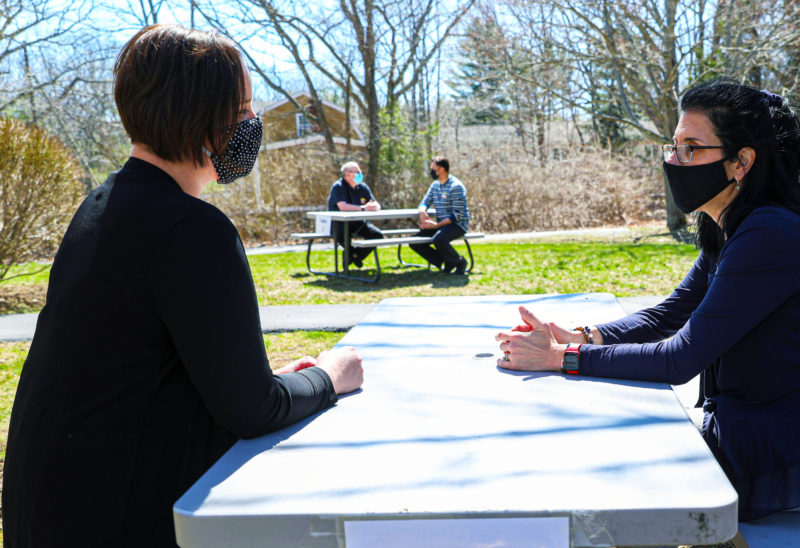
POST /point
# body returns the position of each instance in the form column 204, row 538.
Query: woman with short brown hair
column 148, row 362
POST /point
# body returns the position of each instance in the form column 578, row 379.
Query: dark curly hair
column 743, row 116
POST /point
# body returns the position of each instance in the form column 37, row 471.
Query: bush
column 582, row 188
column 40, row 188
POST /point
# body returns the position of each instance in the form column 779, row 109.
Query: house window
column 304, row 127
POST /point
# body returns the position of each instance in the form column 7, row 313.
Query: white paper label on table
column 322, row 225
column 546, row 532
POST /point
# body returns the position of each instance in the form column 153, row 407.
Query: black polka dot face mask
column 239, row 157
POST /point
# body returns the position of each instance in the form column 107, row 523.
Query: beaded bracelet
column 587, row 334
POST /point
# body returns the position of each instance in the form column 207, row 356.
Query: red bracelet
column 571, row 359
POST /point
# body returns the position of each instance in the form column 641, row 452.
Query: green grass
column 283, row 348
column 29, row 273
column 12, row 356
column 621, row 268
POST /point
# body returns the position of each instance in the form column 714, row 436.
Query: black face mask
column 433, row 174
column 692, row 186
column 239, row 157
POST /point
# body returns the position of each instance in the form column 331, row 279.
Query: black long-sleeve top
column 147, row 364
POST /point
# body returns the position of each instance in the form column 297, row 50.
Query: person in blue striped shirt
column 449, row 196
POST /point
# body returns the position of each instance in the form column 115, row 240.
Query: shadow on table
column 393, row 277
column 236, row 457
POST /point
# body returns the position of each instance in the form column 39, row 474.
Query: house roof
column 311, row 139
column 297, row 95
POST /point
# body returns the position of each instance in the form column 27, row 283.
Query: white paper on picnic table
column 544, row 532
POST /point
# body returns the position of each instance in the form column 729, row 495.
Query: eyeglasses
column 684, row 152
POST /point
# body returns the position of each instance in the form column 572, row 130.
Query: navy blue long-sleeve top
column 147, row 364
column 736, row 319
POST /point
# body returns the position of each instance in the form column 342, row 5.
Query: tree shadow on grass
column 391, row 277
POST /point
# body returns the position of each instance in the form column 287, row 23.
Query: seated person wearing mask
column 449, row 196
column 351, row 193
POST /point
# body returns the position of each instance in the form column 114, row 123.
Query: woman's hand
column 343, row 366
column 534, row 345
column 561, row 334
column 297, row 365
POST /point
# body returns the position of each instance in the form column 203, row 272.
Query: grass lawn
column 639, row 262
column 623, row 269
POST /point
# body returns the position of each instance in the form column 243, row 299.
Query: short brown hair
column 179, row 89
column 441, row 161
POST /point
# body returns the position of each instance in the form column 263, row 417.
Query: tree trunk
column 675, row 218
column 368, row 53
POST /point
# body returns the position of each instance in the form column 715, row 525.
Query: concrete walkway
column 276, row 319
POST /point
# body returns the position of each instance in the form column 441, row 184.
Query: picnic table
column 442, row 448
column 393, row 237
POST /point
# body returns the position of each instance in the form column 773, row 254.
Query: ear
column 746, row 159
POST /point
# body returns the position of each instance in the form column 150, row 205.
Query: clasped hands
column 534, row 345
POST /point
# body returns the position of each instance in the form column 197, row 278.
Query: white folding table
column 439, row 432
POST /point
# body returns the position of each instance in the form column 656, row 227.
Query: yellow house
column 287, row 126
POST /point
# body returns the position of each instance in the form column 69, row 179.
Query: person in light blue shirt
column 449, row 196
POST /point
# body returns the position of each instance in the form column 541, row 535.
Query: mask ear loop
column 744, row 167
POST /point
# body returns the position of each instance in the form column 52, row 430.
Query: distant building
column 286, row 126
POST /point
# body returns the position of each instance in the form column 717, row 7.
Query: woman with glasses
column 148, row 361
column 735, row 317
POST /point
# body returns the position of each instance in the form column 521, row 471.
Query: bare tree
column 147, row 9
column 84, row 116
column 629, row 62
column 28, row 30
column 373, row 51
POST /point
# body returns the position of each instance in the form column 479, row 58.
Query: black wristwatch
column 572, row 355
